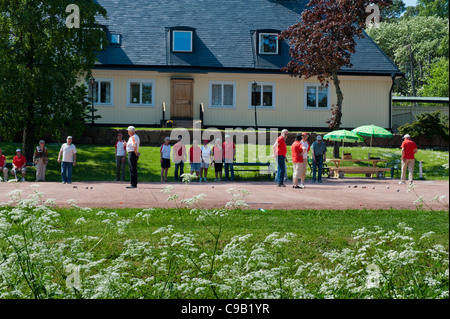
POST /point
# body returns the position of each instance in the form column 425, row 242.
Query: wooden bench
column 268, row 170
column 341, row 171
column 9, row 165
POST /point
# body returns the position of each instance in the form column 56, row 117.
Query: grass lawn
column 97, row 163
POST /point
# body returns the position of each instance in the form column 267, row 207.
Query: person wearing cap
column 304, row 164
column 19, row 165
column 195, row 158
column 179, row 158
column 319, row 153
column 133, row 156
column 229, row 156
column 165, row 159
column 409, row 149
column 40, row 160
column 3, row 166
column 206, row 160
column 297, row 150
column 218, row 159
column 68, row 152
column 280, row 152
column 121, row 154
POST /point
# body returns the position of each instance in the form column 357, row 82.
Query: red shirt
column 408, row 149
column 195, row 154
column 228, row 150
column 217, row 154
column 179, row 150
column 2, row 160
column 281, row 146
column 19, row 162
column 297, row 150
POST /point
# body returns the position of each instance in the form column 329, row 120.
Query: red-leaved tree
column 324, row 41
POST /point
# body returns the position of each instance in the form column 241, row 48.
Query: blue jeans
column 281, row 172
column 66, row 171
column 318, row 163
column 229, row 168
column 179, row 166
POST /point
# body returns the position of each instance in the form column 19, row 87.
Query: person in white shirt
column 68, row 152
column 133, row 156
column 206, row 160
column 121, row 147
column 165, row 159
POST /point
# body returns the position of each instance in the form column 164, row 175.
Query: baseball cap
column 407, row 136
column 205, row 141
column 304, row 134
column 69, row 136
column 131, row 128
column 319, row 137
column 18, row 150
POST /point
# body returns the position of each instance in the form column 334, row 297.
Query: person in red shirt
column 409, row 149
column 179, row 157
column 279, row 152
column 297, row 158
column 229, row 156
column 19, row 165
column 218, row 159
column 195, row 157
column 3, row 166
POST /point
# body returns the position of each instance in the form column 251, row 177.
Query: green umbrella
column 372, row 131
column 343, row 136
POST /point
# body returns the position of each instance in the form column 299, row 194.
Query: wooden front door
column 181, row 106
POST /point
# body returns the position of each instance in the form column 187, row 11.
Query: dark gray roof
column 225, row 37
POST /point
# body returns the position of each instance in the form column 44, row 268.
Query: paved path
column 331, row 194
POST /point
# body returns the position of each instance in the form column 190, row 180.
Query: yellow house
column 221, row 61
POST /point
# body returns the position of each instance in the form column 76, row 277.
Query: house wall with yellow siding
column 366, row 100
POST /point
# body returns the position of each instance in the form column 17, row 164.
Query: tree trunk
column 338, row 115
column 28, row 135
column 411, row 65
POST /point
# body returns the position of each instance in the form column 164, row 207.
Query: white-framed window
column 317, row 97
column 222, row 94
column 263, row 97
column 182, row 41
column 115, row 38
column 103, row 92
column 268, row 43
column 140, row 93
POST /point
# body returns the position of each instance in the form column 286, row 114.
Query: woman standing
column 40, row 159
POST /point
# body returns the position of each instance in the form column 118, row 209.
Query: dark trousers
column 281, row 169
column 229, row 170
column 120, row 168
column 132, row 164
column 318, row 164
column 179, row 166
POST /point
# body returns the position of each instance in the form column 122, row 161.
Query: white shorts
column 205, row 165
column 297, row 170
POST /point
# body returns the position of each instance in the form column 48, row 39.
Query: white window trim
column 192, row 41
column 250, row 92
column 316, row 108
column 152, row 81
column 99, row 80
column 259, row 43
column 228, row 107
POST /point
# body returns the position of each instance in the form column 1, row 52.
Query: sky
column 409, row 3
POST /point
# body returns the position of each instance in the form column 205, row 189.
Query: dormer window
column 182, row 41
column 268, row 43
column 115, row 38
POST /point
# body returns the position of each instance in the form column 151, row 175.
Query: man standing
column 297, row 158
column 195, row 158
column 304, row 164
column 206, row 160
column 279, row 152
column 179, row 157
column 133, row 155
column 165, row 159
column 69, row 160
column 121, row 148
column 229, row 156
column 3, row 166
column 319, row 153
column 409, row 149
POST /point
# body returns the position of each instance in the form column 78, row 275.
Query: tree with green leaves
column 433, row 8
column 427, row 124
column 414, row 44
column 393, row 12
column 45, row 53
column 437, row 84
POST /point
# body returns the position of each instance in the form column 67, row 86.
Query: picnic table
column 269, row 170
column 340, row 171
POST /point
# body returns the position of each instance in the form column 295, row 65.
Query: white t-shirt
column 67, row 152
column 165, row 150
column 306, row 145
column 133, row 140
column 206, row 154
column 120, row 149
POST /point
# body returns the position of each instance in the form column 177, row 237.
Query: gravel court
column 336, row 194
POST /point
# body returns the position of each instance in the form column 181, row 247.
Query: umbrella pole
column 371, row 137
